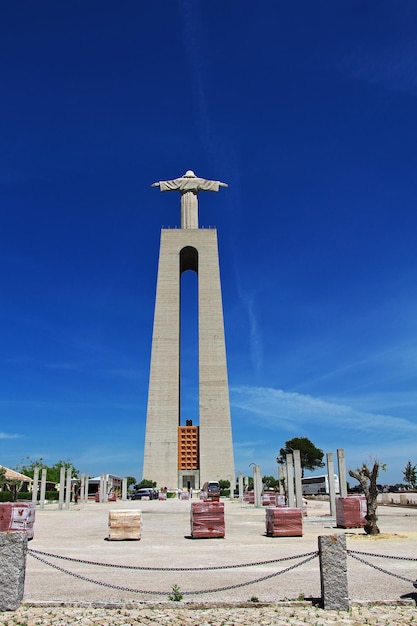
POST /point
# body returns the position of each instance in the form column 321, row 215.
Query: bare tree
column 367, row 478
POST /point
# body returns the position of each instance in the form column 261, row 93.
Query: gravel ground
column 294, row 614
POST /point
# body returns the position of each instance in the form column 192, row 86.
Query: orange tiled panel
column 188, row 447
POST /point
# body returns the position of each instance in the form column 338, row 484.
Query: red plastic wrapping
column 284, row 522
column 207, row 520
column 269, row 499
column 17, row 516
column 350, row 512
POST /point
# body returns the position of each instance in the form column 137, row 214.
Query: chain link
column 383, row 556
column 380, row 569
column 172, row 569
column 310, row 556
column 257, row 580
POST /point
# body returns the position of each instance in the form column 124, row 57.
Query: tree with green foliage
column 269, row 482
column 27, row 467
column 311, row 457
column 367, row 478
column 151, row 484
column 224, row 487
column 410, row 475
column 130, row 480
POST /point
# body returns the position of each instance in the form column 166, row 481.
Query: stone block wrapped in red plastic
column 284, row 522
column 350, row 512
column 207, row 519
column 17, row 516
column 269, row 499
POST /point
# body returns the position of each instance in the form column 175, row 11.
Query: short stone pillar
column 13, row 548
column 333, row 572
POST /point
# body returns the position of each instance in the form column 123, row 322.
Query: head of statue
column 189, row 174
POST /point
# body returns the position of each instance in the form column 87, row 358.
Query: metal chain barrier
column 309, row 557
column 383, row 556
column 381, row 569
column 172, row 569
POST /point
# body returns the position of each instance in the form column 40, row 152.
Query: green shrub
column 6, row 496
column 24, row 495
column 52, row 495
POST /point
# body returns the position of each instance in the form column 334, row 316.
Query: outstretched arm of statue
column 155, row 184
column 223, row 184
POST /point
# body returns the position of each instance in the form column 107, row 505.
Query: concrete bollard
column 13, row 548
column 333, row 572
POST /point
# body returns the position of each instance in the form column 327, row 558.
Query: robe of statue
column 189, row 186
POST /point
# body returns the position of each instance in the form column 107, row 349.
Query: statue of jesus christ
column 189, row 185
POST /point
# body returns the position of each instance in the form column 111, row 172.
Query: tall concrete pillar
column 240, row 483
column 257, row 485
column 43, row 489
column 342, row 472
column 195, row 249
column 35, row 485
column 68, row 489
column 281, row 478
column 290, row 480
column 332, row 492
column 297, row 479
column 61, row 487
column 87, row 482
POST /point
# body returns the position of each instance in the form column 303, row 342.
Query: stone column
column 333, row 572
column 257, row 485
column 82, row 488
column 103, row 487
column 43, row 488
column 297, row 480
column 35, row 485
column 342, row 472
column 240, row 482
column 124, row 489
column 290, row 480
column 281, row 477
column 86, row 480
column 330, row 474
column 61, row 488
column 13, row 548
column 68, row 489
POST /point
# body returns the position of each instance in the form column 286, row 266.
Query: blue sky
column 308, row 111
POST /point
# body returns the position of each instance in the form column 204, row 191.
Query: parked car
column 145, row 492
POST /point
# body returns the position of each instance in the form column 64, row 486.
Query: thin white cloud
column 254, row 333
column 9, row 436
column 275, row 406
column 394, row 67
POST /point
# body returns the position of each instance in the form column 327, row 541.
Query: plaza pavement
column 81, row 533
